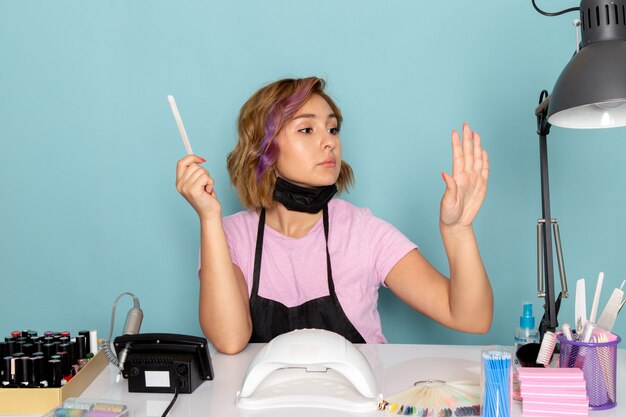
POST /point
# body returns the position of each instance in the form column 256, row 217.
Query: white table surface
column 396, row 368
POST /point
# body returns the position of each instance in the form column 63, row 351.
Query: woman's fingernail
column 443, row 175
column 203, row 160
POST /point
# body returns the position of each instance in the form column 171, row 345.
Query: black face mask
column 297, row 198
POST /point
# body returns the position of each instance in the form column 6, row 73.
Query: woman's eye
column 334, row 130
column 305, row 130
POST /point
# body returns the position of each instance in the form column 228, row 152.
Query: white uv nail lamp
column 309, row 368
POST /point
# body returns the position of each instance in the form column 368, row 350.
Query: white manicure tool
column 179, row 123
column 609, row 314
column 587, row 332
column 596, row 298
column 581, row 306
column 567, row 331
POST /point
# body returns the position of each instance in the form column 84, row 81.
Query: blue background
column 88, row 145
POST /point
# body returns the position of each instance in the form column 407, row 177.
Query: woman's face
column 309, row 149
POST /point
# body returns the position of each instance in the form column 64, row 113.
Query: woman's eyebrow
column 312, row 116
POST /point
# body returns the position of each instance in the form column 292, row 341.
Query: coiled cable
column 132, row 325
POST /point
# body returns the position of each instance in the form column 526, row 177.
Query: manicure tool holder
column 598, row 361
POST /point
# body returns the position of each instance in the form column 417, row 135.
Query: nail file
column 596, row 298
column 179, row 123
column 581, row 306
column 609, row 314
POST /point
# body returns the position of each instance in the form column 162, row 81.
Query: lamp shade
column 591, row 90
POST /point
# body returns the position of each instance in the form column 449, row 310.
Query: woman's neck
column 290, row 223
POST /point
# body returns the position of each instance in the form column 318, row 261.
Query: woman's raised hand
column 467, row 186
column 195, row 184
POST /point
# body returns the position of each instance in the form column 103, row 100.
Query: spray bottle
column 526, row 332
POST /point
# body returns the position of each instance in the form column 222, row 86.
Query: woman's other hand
column 195, row 184
column 467, row 186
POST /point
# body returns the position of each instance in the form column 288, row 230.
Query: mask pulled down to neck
column 303, row 199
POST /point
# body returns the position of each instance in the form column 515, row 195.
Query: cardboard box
column 41, row 400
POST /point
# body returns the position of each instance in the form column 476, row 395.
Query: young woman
column 299, row 258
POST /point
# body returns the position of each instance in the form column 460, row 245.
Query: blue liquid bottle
column 526, row 332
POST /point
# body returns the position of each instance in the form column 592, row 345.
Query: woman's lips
column 329, row 163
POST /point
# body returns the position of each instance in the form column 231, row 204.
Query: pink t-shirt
column 362, row 247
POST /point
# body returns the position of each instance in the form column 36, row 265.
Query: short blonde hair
column 250, row 165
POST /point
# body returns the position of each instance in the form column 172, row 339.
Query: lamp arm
column 540, row 278
column 549, row 319
column 559, row 258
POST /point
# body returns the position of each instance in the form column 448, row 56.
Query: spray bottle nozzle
column 527, row 320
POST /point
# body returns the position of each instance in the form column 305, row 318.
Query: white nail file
column 609, row 314
column 596, row 298
column 581, row 306
column 179, row 123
